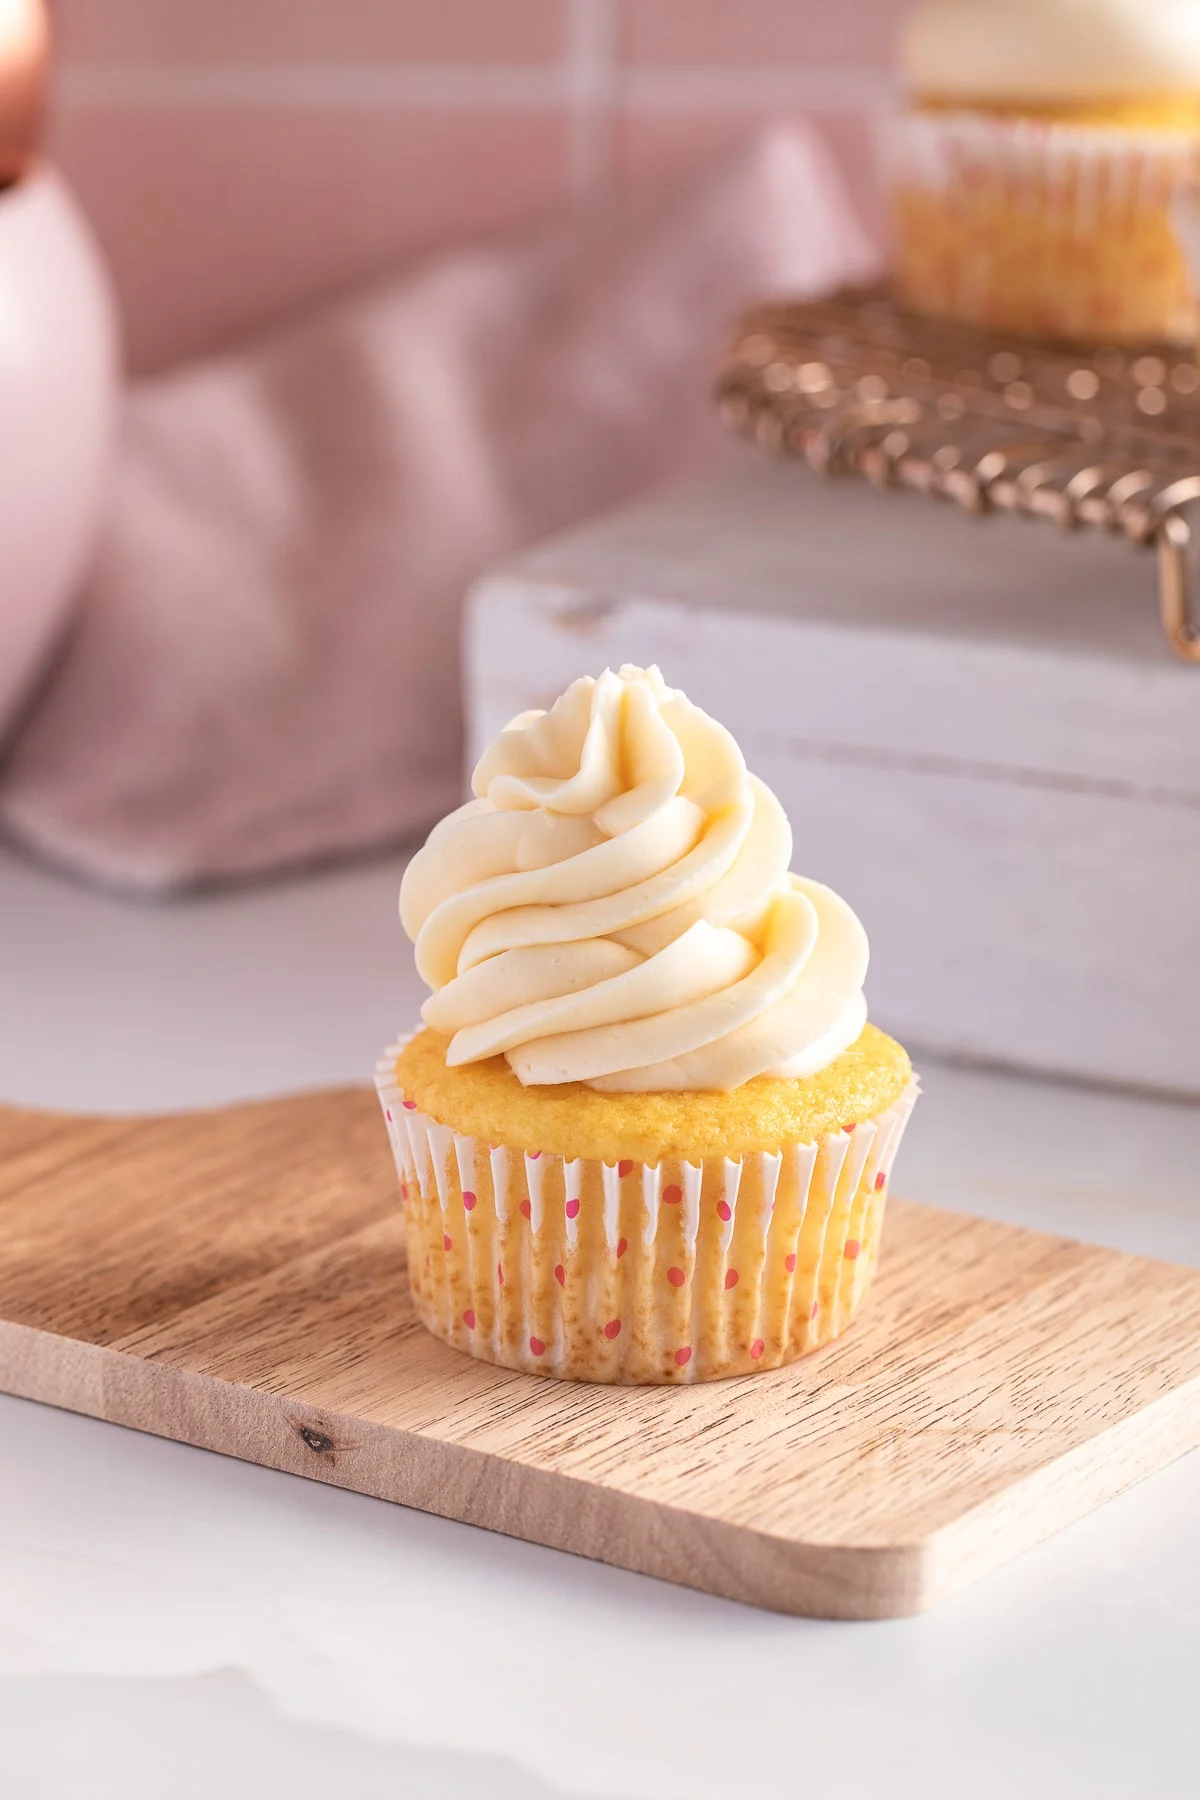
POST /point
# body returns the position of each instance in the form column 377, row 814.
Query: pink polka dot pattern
column 685, row 1241
column 409, row 1105
column 388, row 1114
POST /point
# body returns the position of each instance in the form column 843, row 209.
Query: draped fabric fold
column 263, row 663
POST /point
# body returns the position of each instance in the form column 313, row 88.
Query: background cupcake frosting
column 1023, row 50
column 615, row 907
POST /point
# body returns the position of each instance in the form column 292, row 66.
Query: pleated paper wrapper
column 1052, row 227
column 632, row 1273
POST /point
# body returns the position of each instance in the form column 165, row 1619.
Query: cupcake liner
column 633, row 1273
column 1185, row 219
column 1042, row 225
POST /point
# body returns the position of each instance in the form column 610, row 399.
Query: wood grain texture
column 236, row 1280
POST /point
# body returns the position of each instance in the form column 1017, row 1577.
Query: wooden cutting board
column 235, row 1279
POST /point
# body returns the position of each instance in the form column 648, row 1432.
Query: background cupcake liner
column 1042, row 225
column 1185, row 218
column 631, row 1273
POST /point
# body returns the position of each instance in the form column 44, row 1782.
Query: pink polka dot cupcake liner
column 635, row 1273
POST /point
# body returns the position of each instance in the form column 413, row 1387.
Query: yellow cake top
column 1084, row 58
column 485, row 1100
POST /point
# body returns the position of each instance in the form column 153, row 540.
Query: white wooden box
column 975, row 727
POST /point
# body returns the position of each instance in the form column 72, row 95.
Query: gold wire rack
column 1083, row 437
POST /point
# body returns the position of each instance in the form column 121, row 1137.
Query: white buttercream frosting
column 615, row 906
column 1047, row 50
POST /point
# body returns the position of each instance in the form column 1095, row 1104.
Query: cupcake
column 646, row 1132
column 1034, row 168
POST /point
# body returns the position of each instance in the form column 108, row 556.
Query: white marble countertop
column 175, row 1624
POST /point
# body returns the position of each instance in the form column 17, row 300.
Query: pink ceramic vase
column 58, row 371
column 58, row 385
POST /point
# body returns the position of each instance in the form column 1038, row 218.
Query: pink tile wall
column 757, row 34
column 242, row 157
column 484, row 33
column 653, row 142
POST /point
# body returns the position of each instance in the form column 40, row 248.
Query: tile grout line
column 667, row 90
column 306, row 87
column 591, row 71
column 587, row 82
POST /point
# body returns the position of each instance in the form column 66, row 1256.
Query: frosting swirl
column 615, row 907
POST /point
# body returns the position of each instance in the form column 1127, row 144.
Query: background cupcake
column 647, row 1133
column 1035, row 166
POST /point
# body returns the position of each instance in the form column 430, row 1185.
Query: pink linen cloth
column 263, row 669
